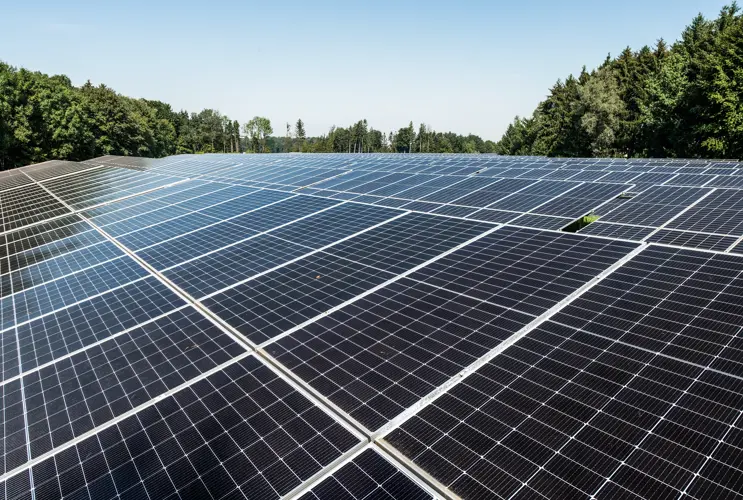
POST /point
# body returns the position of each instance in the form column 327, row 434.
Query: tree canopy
column 685, row 101
column 45, row 117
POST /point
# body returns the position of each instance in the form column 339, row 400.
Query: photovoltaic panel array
column 371, row 326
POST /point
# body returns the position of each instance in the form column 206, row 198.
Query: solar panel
column 241, row 431
column 587, row 405
column 623, row 231
column 721, row 212
column 367, row 476
column 693, row 240
column 370, row 326
column 581, row 200
column 655, row 206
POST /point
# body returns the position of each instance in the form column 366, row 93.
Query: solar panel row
column 360, row 326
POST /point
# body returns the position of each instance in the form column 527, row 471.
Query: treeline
column 684, row 101
column 363, row 138
column 45, row 117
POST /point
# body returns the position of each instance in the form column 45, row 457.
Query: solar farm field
column 371, row 326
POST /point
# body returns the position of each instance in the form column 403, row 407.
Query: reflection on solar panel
column 371, row 326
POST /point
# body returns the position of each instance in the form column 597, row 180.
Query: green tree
column 300, row 134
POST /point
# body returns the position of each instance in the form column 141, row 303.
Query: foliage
column 683, row 101
column 45, row 117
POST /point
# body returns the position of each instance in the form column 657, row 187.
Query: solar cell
column 67, row 330
column 721, row 212
column 367, row 476
column 655, row 206
column 28, row 205
column 533, row 196
column 375, row 357
column 54, row 168
column 498, row 216
column 230, row 265
column 523, row 268
column 541, row 221
column 51, row 250
column 76, row 394
column 623, row 231
column 241, row 431
column 335, row 224
column 693, row 240
column 406, row 242
column 63, row 265
column 620, row 393
column 272, row 303
column 43, row 299
column 581, row 200
column 12, row 180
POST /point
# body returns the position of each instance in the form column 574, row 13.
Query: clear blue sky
column 465, row 66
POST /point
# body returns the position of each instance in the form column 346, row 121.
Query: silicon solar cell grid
column 268, row 305
column 623, row 231
column 365, row 477
column 373, row 183
column 243, row 204
column 421, row 206
column 494, row 192
column 377, row 356
column 282, row 213
column 655, row 206
column 454, row 211
column 407, row 242
column 541, row 221
column 721, row 212
column 689, row 180
column 497, row 216
column 618, row 177
column 458, row 190
column 46, row 232
column 58, row 267
column 567, row 414
column 581, row 200
column 81, row 392
column 50, row 250
column 28, row 205
column 233, row 264
column 194, row 244
column 90, row 188
column 50, row 337
column 152, row 235
column 12, row 180
column 533, row 196
column 332, row 225
column 560, row 174
column 53, row 295
column 54, row 168
column 401, row 185
column 622, row 392
column 693, row 240
column 526, row 269
column 428, row 187
column 242, row 431
column 674, row 302
column 588, row 175
column 726, row 181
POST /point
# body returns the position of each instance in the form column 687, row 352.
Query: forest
column 45, row 117
column 682, row 101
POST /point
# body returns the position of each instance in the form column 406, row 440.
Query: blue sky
column 465, row 66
